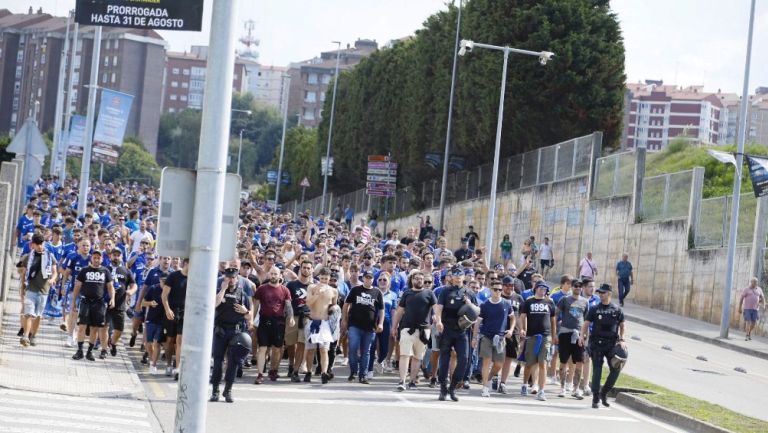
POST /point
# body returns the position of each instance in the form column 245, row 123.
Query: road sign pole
column 287, row 79
column 85, row 169
column 191, row 407
column 70, row 101
column 303, row 191
column 57, row 145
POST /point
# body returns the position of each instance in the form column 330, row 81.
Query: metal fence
column 715, row 219
column 667, row 196
column 562, row 161
column 615, row 174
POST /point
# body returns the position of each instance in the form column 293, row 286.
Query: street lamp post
column 725, row 317
column 240, row 146
column 286, row 78
column 544, row 57
column 330, row 129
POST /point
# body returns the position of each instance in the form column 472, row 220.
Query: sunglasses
column 383, row 279
column 497, row 290
column 368, row 276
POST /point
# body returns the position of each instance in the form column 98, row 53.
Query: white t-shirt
column 137, row 237
column 546, row 252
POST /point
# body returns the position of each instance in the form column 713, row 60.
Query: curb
column 668, row 416
column 694, row 336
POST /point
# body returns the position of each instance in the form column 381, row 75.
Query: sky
column 683, row 42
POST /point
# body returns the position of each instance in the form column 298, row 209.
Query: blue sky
column 680, row 41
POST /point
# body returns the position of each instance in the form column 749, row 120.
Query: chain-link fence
column 715, row 221
column 558, row 162
column 615, row 175
column 667, row 196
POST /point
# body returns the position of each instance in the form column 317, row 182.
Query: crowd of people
column 309, row 295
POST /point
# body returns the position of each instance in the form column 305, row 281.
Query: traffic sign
column 378, row 185
column 304, row 183
column 378, row 158
column 382, row 165
column 376, row 178
column 157, row 14
column 381, row 193
column 382, row 172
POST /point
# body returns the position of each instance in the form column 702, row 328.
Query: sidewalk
column 696, row 329
column 43, row 387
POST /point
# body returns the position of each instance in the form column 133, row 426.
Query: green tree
column 396, row 100
column 301, row 160
column 5, row 140
column 134, row 163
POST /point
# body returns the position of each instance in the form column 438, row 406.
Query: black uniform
column 121, row 279
column 605, row 320
column 93, row 291
column 176, row 299
column 453, row 337
column 227, row 324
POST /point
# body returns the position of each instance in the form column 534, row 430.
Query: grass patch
column 699, row 409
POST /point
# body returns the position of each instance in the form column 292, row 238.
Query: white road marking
column 73, row 425
column 10, row 429
column 449, row 407
column 74, row 416
column 72, row 408
column 117, row 402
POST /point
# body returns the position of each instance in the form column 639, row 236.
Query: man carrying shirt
column 538, row 328
column 411, row 324
column 493, row 330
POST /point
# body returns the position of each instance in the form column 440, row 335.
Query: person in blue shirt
column 137, row 263
column 626, row 277
column 73, row 265
column 380, row 347
column 349, row 215
column 396, row 282
column 26, row 225
column 492, row 330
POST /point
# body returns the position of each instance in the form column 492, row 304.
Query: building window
column 198, row 71
column 185, row 71
column 104, row 78
column 309, row 114
column 326, row 78
column 183, row 97
column 76, row 78
column 114, row 61
column 322, row 96
column 106, row 60
column 309, row 96
column 42, row 59
column 78, row 58
column 171, row 110
column 108, row 41
column 117, row 43
column 184, row 85
column 173, row 97
column 175, row 71
column 114, row 78
column 197, row 84
column 174, row 84
column 312, row 78
column 195, row 100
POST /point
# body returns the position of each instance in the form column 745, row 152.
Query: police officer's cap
column 457, row 270
column 605, row 288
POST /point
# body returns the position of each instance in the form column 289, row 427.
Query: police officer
column 233, row 317
column 606, row 338
column 452, row 335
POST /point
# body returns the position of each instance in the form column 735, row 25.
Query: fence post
column 467, row 175
column 506, row 176
column 479, row 180
column 6, row 192
column 637, row 190
column 615, row 185
column 694, row 207
column 538, row 165
column 757, row 259
column 597, row 147
column 665, row 202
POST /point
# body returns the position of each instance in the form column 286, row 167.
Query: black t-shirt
column 605, row 321
column 122, row 278
column 155, row 314
column 364, row 304
column 94, row 282
column 462, row 254
column 538, row 313
column 517, row 303
column 416, row 305
column 225, row 312
column 178, row 284
column 452, row 299
column 298, row 295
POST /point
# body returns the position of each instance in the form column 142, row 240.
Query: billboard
column 152, row 14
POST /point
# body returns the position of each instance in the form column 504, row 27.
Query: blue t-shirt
column 624, row 269
column 483, row 295
column 396, row 283
column 390, row 303
column 56, row 250
column 24, row 226
column 154, row 315
column 349, row 213
column 527, row 294
column 153, row 276
column 495, row 317
column 75, row 263
column 138, row 268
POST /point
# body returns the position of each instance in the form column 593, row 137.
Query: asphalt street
column 342, row 407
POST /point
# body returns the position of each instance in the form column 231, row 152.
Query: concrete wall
column 668, row 275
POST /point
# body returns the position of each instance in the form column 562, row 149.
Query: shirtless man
column 323, row 326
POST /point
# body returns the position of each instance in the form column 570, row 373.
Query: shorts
column 92, row 313
column 568, row 350
column 506, row 255
column 751, row 315
column 117, row 318
column 34, row 303
column 531, row 357
column 411, row 344
column 318, row 335
column 271, row 332
column 153, row 332
column 175, row 327
column 511, row 347
column 487, row 350
column 292, row 334
column 547, row 263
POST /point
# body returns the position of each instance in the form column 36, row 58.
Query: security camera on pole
column 467, row 46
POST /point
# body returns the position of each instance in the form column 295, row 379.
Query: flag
column 724, row 157
column 758, row 172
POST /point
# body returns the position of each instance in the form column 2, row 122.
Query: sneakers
column 324, row 378
column 495, row 383
column 32, row 341
column 561, row 393
column 369, row 375
column 502, row 388
column 604, row 400
column 486, row 392
column 364, row 381
column 70, row 341
column 78, row 355
column 433, row 382
column 132, row 341
column 89, row 356
column 466, row 385
column 259, row 379
column 412, row 385
column 401, row 386
column 345, row 362
column 307, row 377
column 153, row 370
column 452, row 393
column 578, row 394
column 169, row 371
column 378, row 367
column 113, row 349
column 103, row 354
column 351, row 377
column 295, row 377
column 541, row 397
column 524, row 390
column 144, row 357
column 568, row 388
column 552, row 381
column 587, row 392
column 386, row 367
column 272, row 375
column 24, row 341
column 535, row 389
column 595, row 404
column 20, row 333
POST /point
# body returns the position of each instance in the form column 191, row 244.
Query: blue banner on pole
column 76, row 136
column 114, row 110
column 758, row 172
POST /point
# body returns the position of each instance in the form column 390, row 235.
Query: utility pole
column 85, row 170
column 70, row 100
column 282, row 142
column 330, row 129
column 57, row 134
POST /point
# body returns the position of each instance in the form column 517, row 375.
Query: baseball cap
column 542, row 284
column 507, row 280
column 457, row 270
column 230, row 272
column 604, row 288
column 367, row 274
